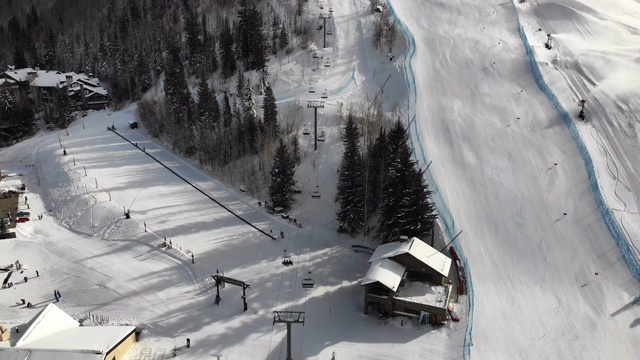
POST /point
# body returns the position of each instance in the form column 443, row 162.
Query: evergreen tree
column 284, row 38
column 19, row 60
column 175, row 83
column 227, row 52
column 376, row 169
column 24, row 116
column 227, row 115
column 6, row 105
column 295, row 149
column 275, row 34
column 420, row 221
column 282, row 177
column 251, row 132
column 253, row 42
column 405, row 209
column 350, row 196
column 209, row 53
column 215, row 109
column 205, row 104
column 63, row 109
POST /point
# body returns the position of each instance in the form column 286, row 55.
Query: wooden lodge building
column 408, row 278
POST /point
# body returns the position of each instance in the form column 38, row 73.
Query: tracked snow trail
column 494, row 139
column 594, row 51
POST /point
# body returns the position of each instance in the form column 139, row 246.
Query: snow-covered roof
column 418, row 249
column 82, row 338
column 387, row 272
column 48, row 79
column 54, row 335
column 427, row 294
column 17, row 354
column 20, row 74
column 49, row 320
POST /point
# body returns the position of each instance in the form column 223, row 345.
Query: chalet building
column 54, row 335
column 42, row 86
column 408, row 278
column 15, row 80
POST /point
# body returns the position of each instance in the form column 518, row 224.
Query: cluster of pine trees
column 127, row 44
column 384, row 183
column 17, row 119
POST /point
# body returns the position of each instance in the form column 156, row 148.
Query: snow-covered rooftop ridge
column 48, row 321
column 387, row 272
column 418, row 249
column 19, row 74
column 47, row 78
column 52, row 331
column 82, row 338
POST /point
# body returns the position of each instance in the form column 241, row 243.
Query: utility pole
column 315, row 104
column 288, row 317
column 324, row 18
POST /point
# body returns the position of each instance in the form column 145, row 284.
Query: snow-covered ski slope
column 545, row 284
column 109, row 266
column 494, row 138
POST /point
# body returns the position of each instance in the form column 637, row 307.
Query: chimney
column 32, row 75
column 83, row 97
column 69, row 80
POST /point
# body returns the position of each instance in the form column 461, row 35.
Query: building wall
column 119, row 352
column 9, row 203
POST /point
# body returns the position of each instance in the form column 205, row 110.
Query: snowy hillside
column 547, row 275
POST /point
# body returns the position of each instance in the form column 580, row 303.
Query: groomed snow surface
column 545, row 285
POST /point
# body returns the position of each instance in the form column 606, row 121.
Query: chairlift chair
column 287, row 261
column 316, row 55
column 307, row 283
column 312, row 90
column 329, row 32
column 324, row 94
column 327, row 63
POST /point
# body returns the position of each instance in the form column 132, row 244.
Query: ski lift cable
column 277, row 304
column 134, row 199
column 198, row 189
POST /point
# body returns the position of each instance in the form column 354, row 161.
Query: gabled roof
column 48, row 321
column 387, row 272
column 54, row 335
column 20, row 74
column 419, row 250
column 82, row 339
column 48, row 78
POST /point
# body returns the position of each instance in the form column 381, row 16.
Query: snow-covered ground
column 545, row 284
column 505, row 164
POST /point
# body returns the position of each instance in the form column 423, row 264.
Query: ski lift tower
column 324, row 18
column 221, row 280
column 315, row 104
column 288, row 317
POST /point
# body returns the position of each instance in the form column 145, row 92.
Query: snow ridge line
column 614, row 228
column 441, row 206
